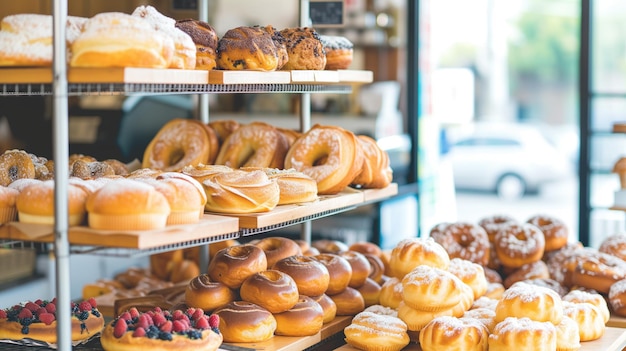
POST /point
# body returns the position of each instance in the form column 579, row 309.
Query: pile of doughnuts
column 279, row 286
column 146, row 38
column 334, row 157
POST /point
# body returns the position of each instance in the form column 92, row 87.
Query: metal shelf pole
column 61, row 155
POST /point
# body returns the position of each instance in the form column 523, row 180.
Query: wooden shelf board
column 249, row 77
column 284, row 343
column 285, row 213
column 209, row 226
column 355, row 76
column 312, row 76
column 137, row 75
column 370, row 195
column 614, row 339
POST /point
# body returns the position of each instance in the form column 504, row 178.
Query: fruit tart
column 36, row 320
column 162, row 330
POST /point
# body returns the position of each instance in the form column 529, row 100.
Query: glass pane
column 608, row 74
column 606, row 111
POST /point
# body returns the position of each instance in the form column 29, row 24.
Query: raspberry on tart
column 162, row 330
column 36, row 320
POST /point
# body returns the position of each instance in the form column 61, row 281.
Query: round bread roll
column 471, row 274
column 531, row 301
column 255, row 144
column 329, row 246
column 431, row 289
column 271, row 289
column 305, row 318
column 591, row 325
column 127, row 204
column 162, row 264
column 247, row 48
column 370, row 291
column 205, row 40
column 349, row 302
column 339, row 52
column 450, row 333
column 208, row 295
column 360, row 268
column 35, row 204
column 305, row 49
column 311, row 276
column 391, row 293
column 525, row 333
column 184, row 271
column 242, row 321
column 410, row 253
column 234, row 264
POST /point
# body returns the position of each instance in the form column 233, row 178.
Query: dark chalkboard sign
column 326, row 13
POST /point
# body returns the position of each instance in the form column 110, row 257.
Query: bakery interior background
column 493, row 68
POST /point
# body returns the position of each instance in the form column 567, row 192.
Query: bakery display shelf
column 616, row 321
column 614, row 339
column 130, row 80
column 296, row 212
column 209, row 228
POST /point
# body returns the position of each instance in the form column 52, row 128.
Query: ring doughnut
column 305, row 318
column 271, row 289
column 14, row 165
column 232, row 265
column 208, row 295
column 349, row 302
column 554, row 231
column 224, row 128
column 517, row 244
column 533, row 270
column 330, row 155
column 596, row 270
column 276, row 248
column 242, row 321
column 339, row 269
column 370, row 290
column 360, row 268
column 617, row 297
column 366, row 247
column 256, row 144
column 377, row 268
column 464, row 240
column 376, row 172
column 329, row 246
column 311, row 276
column 328, row 305
column 493, row 224
column 614, row 245
column 179, row 143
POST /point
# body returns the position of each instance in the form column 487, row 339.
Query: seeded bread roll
column 205, row 38
column 305, row 49
column 339, row 52
column 247, row 48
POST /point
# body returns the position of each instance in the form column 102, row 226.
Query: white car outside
column 510, row 160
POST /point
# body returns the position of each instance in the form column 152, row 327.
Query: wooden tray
column 614, row 339
column 209, row 226
column 285, row 213
column 249, row 77
column 284, row 343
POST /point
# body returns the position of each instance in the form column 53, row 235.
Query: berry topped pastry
column 36, row 320
column 159, row 330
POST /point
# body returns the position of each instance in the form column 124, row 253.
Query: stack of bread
column 146, row 38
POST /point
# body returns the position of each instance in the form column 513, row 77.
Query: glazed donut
column 493, row 224
column 161, row 264
column 617, row 297
column 339, row 270
column 271, row 289
column 208, row 295
column 276, row 248
column 328, row 306
column 291, row 134
column 330, row 155
column 560, row 263
column 234, row 264
column 517, row 244
column 391, row 293
column 464, row 240
column 255, row 144
column 329, row 246
column 370, row 290
column 242, row 321
column 14, row 165
column 533, row 270
column 376, row 172
column 305, row 318
column 553, row 229
column 410, row 253
column 311, row 276
column 349, row 302
column 614, row 245
column 360, row 267
column 179, row 143
column 596, row 270
column 241, row 192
